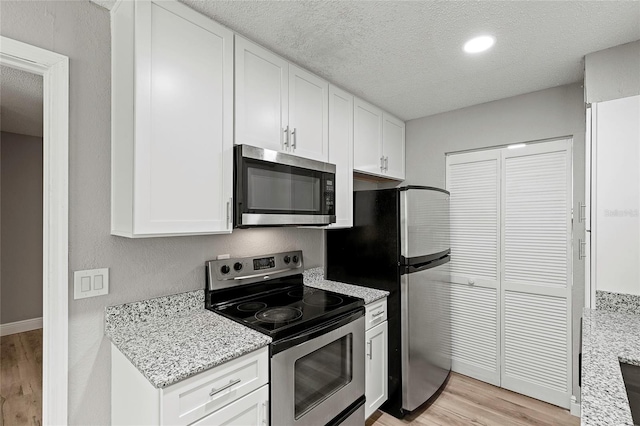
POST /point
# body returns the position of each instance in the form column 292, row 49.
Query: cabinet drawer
column 375, row 313
column 251, row 410
column 194, row 398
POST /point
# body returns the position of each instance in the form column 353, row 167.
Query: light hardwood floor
column 21, row 379
column 465, row 401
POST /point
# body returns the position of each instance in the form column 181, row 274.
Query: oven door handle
column 333, row 324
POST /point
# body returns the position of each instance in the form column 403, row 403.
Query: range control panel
column 224, row 273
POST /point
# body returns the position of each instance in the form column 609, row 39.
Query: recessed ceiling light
column 517, row 145
column 479, row 44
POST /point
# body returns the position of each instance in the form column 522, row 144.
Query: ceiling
column 20, row 102
column 406, row 56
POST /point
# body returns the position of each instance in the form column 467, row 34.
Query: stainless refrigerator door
column 424, row 222
column 426, row 333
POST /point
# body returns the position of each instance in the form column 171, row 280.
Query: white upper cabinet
column 378, row 142
column 308, row 114
column 280, row 106
column 262, row 97
column 367, row 138
column 172, row 118
column 341, row 153
column 393, row 146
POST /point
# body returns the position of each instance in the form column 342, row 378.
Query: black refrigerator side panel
column 368, row 255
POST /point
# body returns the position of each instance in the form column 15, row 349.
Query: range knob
column 225, row 269
column 295, row 259
column 287, row 259
column 237, row 266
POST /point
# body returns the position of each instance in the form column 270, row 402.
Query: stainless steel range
column 317, row 353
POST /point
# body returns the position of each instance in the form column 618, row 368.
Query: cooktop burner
column 251, row 306
column 322, row 299
column 280, row 314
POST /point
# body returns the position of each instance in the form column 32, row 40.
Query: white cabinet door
column 367, row 138
column 251, row 410
column 172, row 156
column 308, row 114
column 393, row 146
column 262, row 87
column 341, row 153
column 376, row 368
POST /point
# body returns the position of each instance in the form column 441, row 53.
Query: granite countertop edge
column 608, row 339
column 315, row 278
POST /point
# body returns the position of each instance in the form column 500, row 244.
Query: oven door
column 313, row 381
column 273, row 188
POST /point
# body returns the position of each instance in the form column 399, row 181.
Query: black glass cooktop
column 287, row 311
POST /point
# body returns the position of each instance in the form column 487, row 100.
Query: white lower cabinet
column 234, row 393
column 376, row 359
column 253, row 409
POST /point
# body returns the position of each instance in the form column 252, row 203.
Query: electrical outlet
column 90, row 283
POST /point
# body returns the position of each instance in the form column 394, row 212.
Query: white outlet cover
column 95, row 290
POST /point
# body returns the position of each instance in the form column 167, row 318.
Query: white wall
column 549, row 113
column 140, row 269
column 21, row 236
column 612, row 73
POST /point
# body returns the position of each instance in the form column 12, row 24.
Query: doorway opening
column 54, row 71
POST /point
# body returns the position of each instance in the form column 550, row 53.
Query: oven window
column 322, row 373
column 269, row 189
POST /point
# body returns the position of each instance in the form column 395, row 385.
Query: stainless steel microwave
column 272, row 188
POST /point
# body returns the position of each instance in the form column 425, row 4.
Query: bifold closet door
column 536, row 271
column 473, row 179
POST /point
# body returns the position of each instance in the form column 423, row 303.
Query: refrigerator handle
column 410, row 269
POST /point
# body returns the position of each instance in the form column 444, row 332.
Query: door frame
column 54, row 69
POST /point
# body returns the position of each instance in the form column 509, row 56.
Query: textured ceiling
column 406, row 56
column 20, row 102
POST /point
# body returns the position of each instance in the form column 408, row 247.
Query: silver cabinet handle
column 285, row 141
column 294, row 135
column 215, row 391
column 386, row 164
column 377, row 314
column 381, row 164
column 582, row 245
column 265, row 411
column 582, row 212
column 370, row 354
column 229, row 204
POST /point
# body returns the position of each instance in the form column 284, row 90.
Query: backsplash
column 152, row 309
column 618, row 302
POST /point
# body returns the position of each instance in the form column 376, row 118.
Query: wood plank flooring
column 21, row 379
column 466, row 401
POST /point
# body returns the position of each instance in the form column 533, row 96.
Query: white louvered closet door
column 473, row 179
column 536, row 271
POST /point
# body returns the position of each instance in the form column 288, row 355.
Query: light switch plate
column 90, row 283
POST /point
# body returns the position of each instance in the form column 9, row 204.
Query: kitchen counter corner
column 607, row 338
column 172, row 338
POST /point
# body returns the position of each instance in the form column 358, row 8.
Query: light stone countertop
column 171, row 338
column 607, row 338
column 315, row 278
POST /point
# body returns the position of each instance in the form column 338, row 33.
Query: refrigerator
column 400, row 243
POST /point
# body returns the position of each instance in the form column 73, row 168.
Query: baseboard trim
column 20, row 326
column 575, row 407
